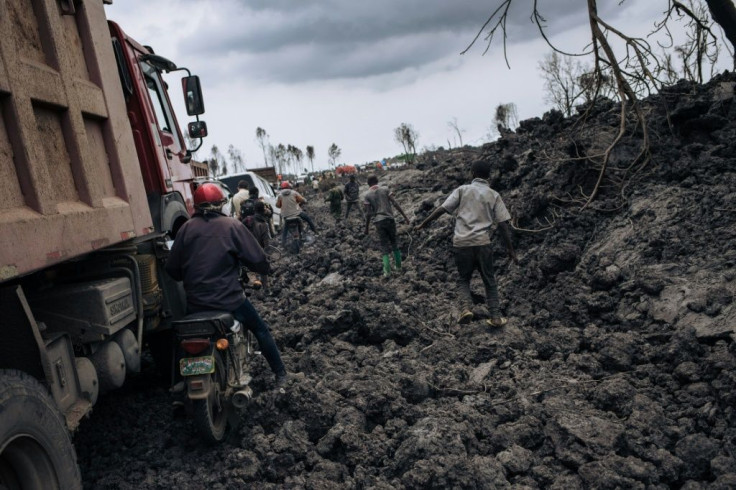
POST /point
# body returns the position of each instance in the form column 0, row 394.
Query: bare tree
column 294, row 158
column 310, row 156
column 506, row 117
column 272, row 155
column 635, row 73
column 723, row 13
column 407, row 137
column 262, row 137
column 701, row 50
column 569, row 83
column 453, row 125
column 298, row 155
column 217, row 163
column 236, row 158
column 280, row 156
column 333, row 153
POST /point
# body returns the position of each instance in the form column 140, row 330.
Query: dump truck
column 96, row 179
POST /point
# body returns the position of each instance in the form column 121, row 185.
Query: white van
column 264, row 190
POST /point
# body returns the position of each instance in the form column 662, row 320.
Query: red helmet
column 285, row 185
column 209, row 196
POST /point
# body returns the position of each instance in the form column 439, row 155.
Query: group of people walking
column 211, row 248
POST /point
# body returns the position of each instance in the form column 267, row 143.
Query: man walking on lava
column 477, row 208
column 379, row 204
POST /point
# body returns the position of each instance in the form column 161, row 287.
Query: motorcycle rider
column 290, row 202
column 207, row 255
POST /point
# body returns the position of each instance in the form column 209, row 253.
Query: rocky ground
column 617, row 368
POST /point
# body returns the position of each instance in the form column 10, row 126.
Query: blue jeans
column 309, row 221
column 249, row 317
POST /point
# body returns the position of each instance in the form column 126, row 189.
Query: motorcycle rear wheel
column 294, row 240
column 211, row 414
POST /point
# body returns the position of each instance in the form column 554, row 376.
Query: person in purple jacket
column 207, row 255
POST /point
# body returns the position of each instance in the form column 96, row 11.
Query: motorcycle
column 212, row 354
column 294, row 236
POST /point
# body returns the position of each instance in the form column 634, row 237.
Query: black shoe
column 281, row 380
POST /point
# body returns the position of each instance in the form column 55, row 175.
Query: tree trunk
column 724, row 13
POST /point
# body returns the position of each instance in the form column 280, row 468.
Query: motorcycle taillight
column 195, row 346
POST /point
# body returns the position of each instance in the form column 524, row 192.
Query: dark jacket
column 207, row 254
column 352, row 191
column 260, row 230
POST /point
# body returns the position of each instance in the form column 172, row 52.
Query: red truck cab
column 164, row 158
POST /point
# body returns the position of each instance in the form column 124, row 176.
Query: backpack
column 352, row 192
column 249, row 221
column 247, row 208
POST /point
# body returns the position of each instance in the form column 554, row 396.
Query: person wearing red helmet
column 209, row 250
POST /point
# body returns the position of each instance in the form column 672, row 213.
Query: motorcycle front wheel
column 211, row 414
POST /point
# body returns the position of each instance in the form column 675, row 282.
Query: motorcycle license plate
column 193, row 366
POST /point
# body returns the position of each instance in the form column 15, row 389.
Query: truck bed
column 70, row 177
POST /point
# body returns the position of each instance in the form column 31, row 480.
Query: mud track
column 617, row 368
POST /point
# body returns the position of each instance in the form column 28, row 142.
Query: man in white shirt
column 240, row 197
column 477, row 208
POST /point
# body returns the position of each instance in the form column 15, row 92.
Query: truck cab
column 162, row 152
column 95, row 177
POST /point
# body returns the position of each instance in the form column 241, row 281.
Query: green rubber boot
column 397, row 259
column 386, row 266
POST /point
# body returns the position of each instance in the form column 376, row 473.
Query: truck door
column 164, row 128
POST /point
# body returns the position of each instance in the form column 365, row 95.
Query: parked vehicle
column 301, row 178
column 346, row 170
column 268, row 174
column 97, row 178
column 264, row 190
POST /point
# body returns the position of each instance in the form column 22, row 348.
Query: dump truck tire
column 36, row 451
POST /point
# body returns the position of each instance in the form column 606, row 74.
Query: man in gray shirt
column 379, row 206
column 477, row 208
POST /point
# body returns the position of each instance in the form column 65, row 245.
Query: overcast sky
column 317, row 72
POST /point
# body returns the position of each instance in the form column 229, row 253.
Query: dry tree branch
column 547, row 225
column 500, row 23
column 635, row 72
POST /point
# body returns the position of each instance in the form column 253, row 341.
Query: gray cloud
column 289, row 42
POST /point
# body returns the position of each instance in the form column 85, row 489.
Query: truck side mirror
column 193, row 95
column 197, row 129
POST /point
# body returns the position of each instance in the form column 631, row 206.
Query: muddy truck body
column 95, row 177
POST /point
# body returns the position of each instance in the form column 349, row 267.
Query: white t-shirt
column 477, row 208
